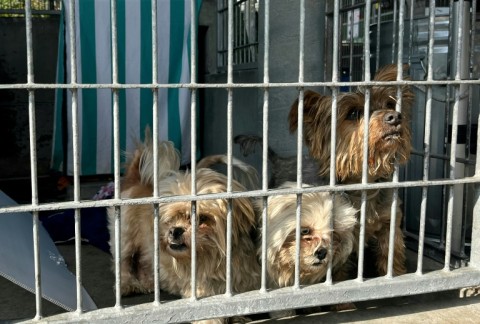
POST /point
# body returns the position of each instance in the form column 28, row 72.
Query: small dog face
column 389, row 130
column 315, row 235
column 211, row 215
column 177, row 230
column 211, row 240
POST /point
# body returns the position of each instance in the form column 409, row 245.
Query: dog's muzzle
column 392, row 118
column 320, row 254
column 175, row 238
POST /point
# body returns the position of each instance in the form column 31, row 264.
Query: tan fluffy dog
column 319, row 211
column 137, row 240
column 137, row 249
column 389, row 140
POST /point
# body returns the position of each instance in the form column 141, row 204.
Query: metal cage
column 447, row 112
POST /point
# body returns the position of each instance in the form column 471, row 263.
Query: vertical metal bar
column 377, row 50
column 193, row 140
column 410, row 33
column 469, row 122
column 427, row 134
column 393, row 211
column 156, row 208
column 475, row 246
column 333, row 132
column 116, row 151
column 33, row 158
column 76, row 155
column 220, row 32
column 300, row 143
column 363, row 206
column 466, row 203
column 228, row 290
column 394, row 30
column 351, row 22
column 447, row 121
column 266, row 80
column 453, row 147
column 458, row 224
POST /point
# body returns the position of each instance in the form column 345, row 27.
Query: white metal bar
column 228, row 289
column 266, row 80
column 300, row 143
column 193, row 142
column 116, row 152
column 184, row 310
column 427, row 135
column 333, row 132
column 379, row 22
column 76, row 155
column 33, row 158
column 270, row 85
column 453, row 147
column 155, row 136
column 394, row 30
column 363, row 206
column 393, row 210
column 234, row 195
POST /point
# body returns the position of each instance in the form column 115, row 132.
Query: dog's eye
column 390, row 105
column 202, row 219
column 355, row 114
column 304, row 231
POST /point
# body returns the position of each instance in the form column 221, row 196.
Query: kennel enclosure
column 242, row 79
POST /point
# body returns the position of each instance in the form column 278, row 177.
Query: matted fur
column 389, row 141
column 316, row 218
column 139, row 165
column 137, row 240
column 137, row 221
column 211, row 238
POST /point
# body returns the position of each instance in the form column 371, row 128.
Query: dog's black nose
column 392, row 118
column 321, row 253
column 176, row 232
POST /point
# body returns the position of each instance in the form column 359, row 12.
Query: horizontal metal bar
column 233, row 195
column 34, row 12
column 444, row 157
column 32, row 86
column 185, row 310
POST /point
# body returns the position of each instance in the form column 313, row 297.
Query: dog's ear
column 311, row 100
column 132, row 170
column 389, row 73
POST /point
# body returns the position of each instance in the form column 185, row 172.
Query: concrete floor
column 445, row 307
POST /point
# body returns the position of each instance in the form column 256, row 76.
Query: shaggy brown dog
column 389, row 140
column 137, row 237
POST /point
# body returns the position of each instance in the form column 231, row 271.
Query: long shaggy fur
column 319, row 210
column 137, row 223
column 389, row 141
column 211, row 238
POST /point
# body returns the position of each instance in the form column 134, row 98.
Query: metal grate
column 16, row 8
column 245, row 33
column 459, row 87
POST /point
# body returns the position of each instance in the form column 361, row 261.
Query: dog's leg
column 129, row 280
column 129, row 284
column 145, row 273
